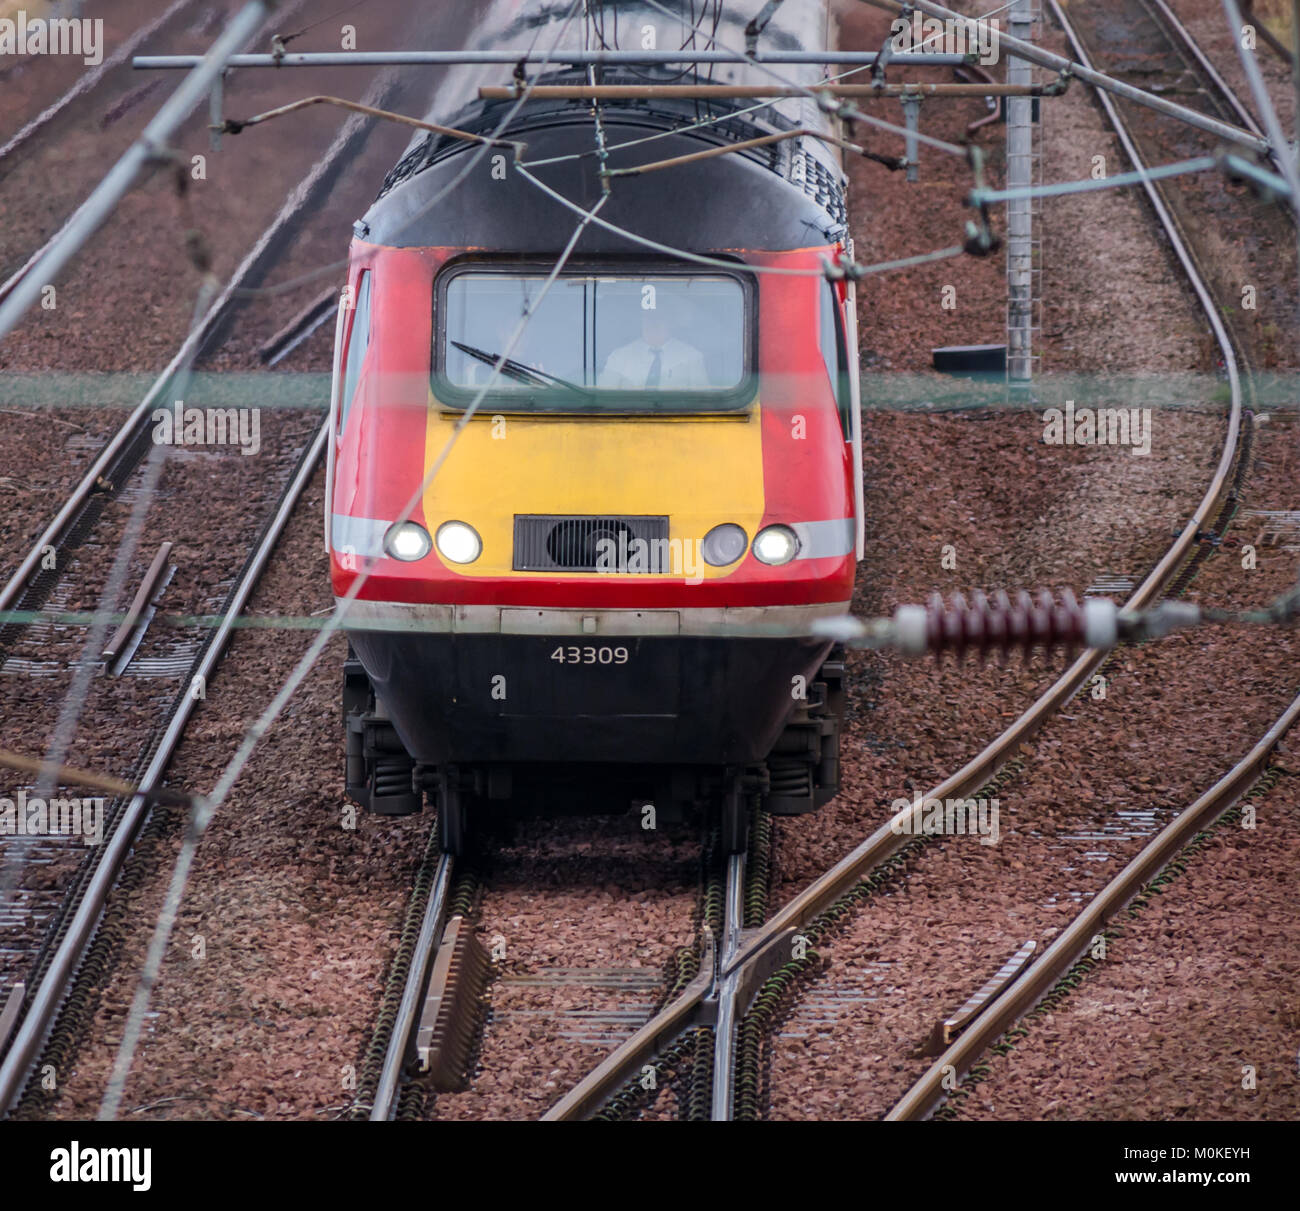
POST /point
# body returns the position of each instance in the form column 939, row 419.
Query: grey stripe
column 822, row 539
column 362, row 536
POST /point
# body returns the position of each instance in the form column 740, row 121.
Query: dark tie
column 656, row 365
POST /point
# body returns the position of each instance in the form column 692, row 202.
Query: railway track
column 113, row 79
column 1039, row 981
column 28, row 591
column 30, row 584
column 60, row 938
column 710, row 1028
column 1066, row 958
column 89, row 81
column 380, row 1096
column 761, row 972
column 1072, row 955
column 960, row 1058
column 40, row 582
column 1144, row 42
column 441, row 1035
column 1230, row 105
column 73, row 950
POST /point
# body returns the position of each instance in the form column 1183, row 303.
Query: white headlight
column 776, row 545
column 407, row 541
column 458, row 542
column 723, row 544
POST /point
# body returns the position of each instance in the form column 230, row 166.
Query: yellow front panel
column 698, row 471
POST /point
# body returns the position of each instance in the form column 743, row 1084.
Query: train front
column 595, row 511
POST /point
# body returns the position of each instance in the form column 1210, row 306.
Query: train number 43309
column 590, row 655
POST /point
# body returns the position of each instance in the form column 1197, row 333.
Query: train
column 605, row 598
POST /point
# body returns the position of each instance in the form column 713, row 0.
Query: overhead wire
column 677, row 252
column 209, row 805
column 496, row 140
column 471, row 163
column 54, row 766
column 206, row 806
column 285, row 39
column 703, row 124
column 827, row 104
column 697, row 258
column 74, row 699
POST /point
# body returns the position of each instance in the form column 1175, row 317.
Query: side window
column 358, row 341
column 831, row 335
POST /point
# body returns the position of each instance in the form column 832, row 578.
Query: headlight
column 723, row 544
column 458, row 542
column 407, row 541
column 776, row 545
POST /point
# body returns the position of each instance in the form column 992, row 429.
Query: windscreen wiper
column 513, row 370
column 520, row 373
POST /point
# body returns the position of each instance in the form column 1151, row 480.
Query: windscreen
column 598, row 340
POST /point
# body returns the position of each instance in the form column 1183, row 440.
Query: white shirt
column 681, row 366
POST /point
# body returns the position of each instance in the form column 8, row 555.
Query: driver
column 655, row 360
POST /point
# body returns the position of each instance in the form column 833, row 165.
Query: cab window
column 835, row 356
column 598, row 340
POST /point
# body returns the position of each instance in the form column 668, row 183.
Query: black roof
column 782, row 196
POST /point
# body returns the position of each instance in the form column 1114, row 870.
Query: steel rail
column 134, row 1026
column 724, row 1032
column 48, row 996
column 150, row 147
column 1180, row 33
column 975, row 773
column 1079, row 935
column 654, row 1037
column 131, row 426
column 91, row 79
column 1085, row 72
column 10, row 1014
column 1038, row 979
column 408, row 1012
column 762, row 945
column 85, row 84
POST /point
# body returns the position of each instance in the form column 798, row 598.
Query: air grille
column 819, row 184
column 591, row 544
